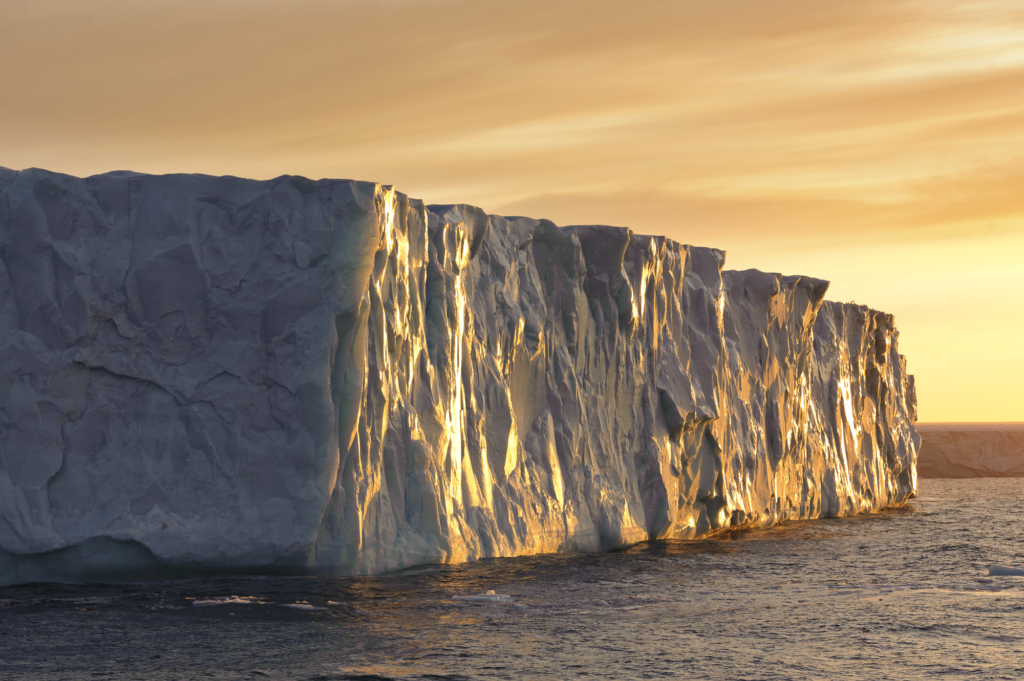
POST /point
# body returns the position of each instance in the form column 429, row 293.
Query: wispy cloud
column 797, row 133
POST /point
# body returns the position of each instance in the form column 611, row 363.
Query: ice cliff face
column 330, row 376
column 972, row 450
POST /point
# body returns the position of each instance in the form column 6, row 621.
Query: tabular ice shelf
column 294, row 375
column 971, row 450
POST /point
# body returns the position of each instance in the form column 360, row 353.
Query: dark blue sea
column 902, row 594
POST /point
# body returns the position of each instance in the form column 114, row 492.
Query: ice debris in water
column 489, row 597
column 227, row 600
column 301, row 606
column 1001, row 571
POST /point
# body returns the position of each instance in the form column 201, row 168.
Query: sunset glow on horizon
column 877, row 144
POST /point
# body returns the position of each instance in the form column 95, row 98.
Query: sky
column 878, row 144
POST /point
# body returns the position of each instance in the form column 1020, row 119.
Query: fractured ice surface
column 330, row 376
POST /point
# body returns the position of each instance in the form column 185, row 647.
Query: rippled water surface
column 901, row 594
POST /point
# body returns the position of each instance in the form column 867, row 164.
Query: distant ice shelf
column 971, row 450
column 213, row 373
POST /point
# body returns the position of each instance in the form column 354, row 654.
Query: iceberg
column 214, row 373
column 971, row 450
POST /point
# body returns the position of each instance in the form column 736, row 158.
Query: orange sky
column 878, row 144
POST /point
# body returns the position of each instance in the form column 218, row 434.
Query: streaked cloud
column 877, row 143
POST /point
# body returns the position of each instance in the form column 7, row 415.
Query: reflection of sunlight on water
column 900, row 593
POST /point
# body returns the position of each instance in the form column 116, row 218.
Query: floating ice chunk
column 228, row 600
column 301, row 606
column 484, row 598
column 489, row 597
column 1000, row 571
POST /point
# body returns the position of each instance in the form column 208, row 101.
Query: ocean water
column 897, row 595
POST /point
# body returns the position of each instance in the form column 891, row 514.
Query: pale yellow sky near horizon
column 878, row 144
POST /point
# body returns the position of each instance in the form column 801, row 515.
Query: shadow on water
column 103, row 560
